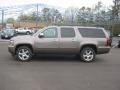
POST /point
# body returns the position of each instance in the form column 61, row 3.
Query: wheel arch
column 89, row 45
column 27, row 45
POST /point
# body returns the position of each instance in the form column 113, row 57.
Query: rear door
column 68, row 40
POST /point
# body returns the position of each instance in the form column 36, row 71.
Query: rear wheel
column 23, row 53
column 87, row 54
column 27, row 32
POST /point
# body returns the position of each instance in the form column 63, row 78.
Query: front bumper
column 6, row 37
column 11, row 49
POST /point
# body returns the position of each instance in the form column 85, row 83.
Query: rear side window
column 92, row 33
column 67, row 32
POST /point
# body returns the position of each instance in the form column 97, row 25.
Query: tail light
column 109, row 42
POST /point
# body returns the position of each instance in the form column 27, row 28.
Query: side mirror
column 41, row 35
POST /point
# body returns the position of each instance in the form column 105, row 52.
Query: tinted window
column 91, row 33
column 50, row 33
column 67, row 32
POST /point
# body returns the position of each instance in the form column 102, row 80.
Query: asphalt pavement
column 59, row 72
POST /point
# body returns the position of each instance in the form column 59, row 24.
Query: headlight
column 11, row 42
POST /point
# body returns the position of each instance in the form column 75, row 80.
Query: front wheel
column 24, row 53
column 87, row 54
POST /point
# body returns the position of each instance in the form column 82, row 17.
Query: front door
column 49, row 43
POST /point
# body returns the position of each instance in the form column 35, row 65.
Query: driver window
column 50, row 33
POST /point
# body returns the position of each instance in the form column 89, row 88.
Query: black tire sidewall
column 27, row 32
column 83, row 50
column 23, row 47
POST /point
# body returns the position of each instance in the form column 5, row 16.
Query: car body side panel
column 46, row 45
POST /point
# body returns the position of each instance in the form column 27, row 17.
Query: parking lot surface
column 59, row 72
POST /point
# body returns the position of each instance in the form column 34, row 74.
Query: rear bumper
column 103, row 50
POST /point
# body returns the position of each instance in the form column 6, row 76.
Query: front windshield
column 8, row 31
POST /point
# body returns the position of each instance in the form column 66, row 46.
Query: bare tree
column 115, row 13
column 70, row 15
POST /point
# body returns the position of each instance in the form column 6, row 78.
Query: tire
column 87, row 54
column 27, row 32
column 23, row 53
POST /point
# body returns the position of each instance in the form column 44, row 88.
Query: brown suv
column 84, row 42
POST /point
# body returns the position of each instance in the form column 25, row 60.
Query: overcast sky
column 58, row 3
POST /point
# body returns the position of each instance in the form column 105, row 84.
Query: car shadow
column 62, row 58
column 59, row 58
